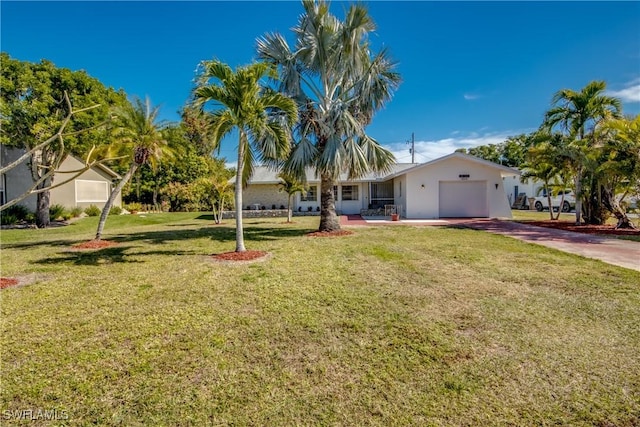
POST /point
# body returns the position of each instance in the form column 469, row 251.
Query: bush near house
column 92, row 210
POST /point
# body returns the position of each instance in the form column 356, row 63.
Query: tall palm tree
column 578, row 114
column 138, row 133
column 339, row 85
column 261, row 116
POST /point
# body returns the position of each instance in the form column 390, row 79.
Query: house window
column 312, row 194
column 349, row 192
column 381, row 194
column 91, row 191
column 335, row 193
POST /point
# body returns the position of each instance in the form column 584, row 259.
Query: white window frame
column 107, row 186
column 305, row 197
column 352, row 189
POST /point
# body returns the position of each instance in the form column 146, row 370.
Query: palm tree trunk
column 289, row 212
column 112, row 198
column 611, row 204
column 578, row 195
column 238, row 193
column 329, row 220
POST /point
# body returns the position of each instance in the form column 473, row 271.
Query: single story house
column 456, row 185
column 92, row 187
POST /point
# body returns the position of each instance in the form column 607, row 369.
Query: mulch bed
column 587, row 229
column 6, row 282
column 240, row 256
column 95, row 244
column 336, row 233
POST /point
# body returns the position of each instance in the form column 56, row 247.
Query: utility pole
column 412, row 150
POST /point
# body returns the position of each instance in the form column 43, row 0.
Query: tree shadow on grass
column 219, row 233
column 112, row 255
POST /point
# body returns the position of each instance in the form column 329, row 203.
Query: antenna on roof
column 412, row 150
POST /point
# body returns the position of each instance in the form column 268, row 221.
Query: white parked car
column 568, row 203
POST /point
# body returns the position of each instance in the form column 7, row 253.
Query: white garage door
column 463, row 199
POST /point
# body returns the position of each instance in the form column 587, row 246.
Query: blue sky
column 473, row 72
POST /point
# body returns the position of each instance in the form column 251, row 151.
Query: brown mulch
column 6, row 282
column 240, row 256
column 609, row 230
column 335, row 233
column 95, row 244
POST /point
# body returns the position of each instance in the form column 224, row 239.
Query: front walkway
column 623, row 253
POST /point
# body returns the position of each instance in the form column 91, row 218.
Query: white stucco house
column 457, row 185
column 92, row 187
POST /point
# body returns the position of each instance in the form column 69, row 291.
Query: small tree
column 291, row 186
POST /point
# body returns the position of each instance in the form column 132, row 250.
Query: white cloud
column 631, row 93
column 471, row 96
column 433, row 149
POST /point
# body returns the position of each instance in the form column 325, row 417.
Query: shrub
column 310, row 208
column 273, row 206
column 8, row 219
column 56, row 211
column 19, row 211
column 76, row 212
column 133, row 207
column 317, row 208
column 282, row 207
column 92, row 210
column 115, row 210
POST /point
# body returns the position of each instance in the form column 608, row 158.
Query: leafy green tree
column 32, row 109
column 577, row 115
column 138, row 134
column 338, row 84
column 291, row 186
column 490, row 152
column 260, row 115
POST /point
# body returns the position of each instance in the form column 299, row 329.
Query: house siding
column 18, row 180
column 424, row 201
column 66, row 195
column 264, row 195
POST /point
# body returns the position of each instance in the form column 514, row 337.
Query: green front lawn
column 389, row 326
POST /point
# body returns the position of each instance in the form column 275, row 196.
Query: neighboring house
column 92, row 187
column 457, row 185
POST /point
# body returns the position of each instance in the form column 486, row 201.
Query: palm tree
column 578, row 114
column 339, row 85
column 139, row 134
column 261, row 116
column 618, row 169
column 547, row 161
column 291, row 186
